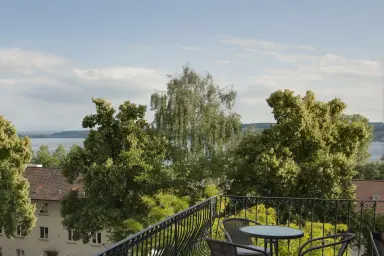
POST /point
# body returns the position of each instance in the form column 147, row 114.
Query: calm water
column 376, row 149
column 53, row 143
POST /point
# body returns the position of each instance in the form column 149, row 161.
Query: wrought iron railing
column 180, row 234
column 184, row 232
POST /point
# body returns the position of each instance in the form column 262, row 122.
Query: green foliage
column 366, row 223
column 48, row 160
column 267, row 216
column 15, row 204
column 211, row 190
column 370, row 171
column 195, row 116
column 362, row 154
column 312, row 150
column 163, row 205
column 121, row 164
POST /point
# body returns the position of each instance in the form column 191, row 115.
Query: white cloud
column 46, row 87
column 19, row 60
column 53, row 92
column 146, row 78
column 357, row 81
column 243, row 55
column 253, row 43
column 306, row 48
column 309, row 66
column 191, row 48
column 223, row 62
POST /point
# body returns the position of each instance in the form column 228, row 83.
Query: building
column 371, row 190
column 49, row 238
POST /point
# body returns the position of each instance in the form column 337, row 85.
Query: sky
column 56, row 55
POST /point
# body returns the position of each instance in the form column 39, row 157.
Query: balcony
column 184, row 232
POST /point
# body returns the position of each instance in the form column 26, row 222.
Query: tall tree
column 196, row 116
column 363, row 154
column 370, row 171
column 122, row 160
column 47, row 159
column 15, row 204
column 59, row 155
column 312, row 150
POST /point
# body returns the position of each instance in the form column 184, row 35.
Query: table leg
column 272, row 249
column 277, row 247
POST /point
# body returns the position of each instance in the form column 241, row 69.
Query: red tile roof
column 365, row 189
column 47, row 183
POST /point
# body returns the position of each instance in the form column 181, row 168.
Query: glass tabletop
column 273, row 232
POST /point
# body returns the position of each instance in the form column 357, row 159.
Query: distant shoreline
column 56, row 135
column 378, row 132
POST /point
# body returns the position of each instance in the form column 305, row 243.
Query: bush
column 267, row 216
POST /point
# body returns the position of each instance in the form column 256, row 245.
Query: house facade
column 49, row 237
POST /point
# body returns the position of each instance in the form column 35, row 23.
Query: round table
column 272, row 232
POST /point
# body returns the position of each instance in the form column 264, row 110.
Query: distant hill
column 378, row 128
column 63, row 135
column 257, row 126
column 378, row 131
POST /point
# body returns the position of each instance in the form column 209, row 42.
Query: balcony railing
column 184, row 232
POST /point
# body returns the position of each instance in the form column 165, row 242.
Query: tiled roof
column 47, row 183
column 365, row 189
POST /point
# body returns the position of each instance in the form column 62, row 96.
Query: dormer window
column 43, row 208
column 375, row 198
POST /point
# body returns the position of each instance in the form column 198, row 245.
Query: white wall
column 57, row 237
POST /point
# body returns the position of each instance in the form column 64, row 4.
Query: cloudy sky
column 56, row 55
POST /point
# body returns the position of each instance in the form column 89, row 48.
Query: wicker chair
column 346, row 238
column 223, row 248
column 231, row 228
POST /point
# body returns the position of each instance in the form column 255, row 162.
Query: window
column 96, row 238
column 43, row 232
column 18, row 230
column 71, row 235
column 375, row 197
column 20, row 252
column 43, row 208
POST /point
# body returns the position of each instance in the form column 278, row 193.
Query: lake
column 376, row 149
column 53, row 143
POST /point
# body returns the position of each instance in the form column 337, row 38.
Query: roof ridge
column 368, row 180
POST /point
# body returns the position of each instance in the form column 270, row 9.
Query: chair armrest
column 250, row 248
column 323, row 246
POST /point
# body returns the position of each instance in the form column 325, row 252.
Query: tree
column 15, row 204
column 196, row 117
column 370, row 171
column 363, row 154
column 48, row 160
column 369, row 221
column 119, row 167
column 312, row 150
column 42, row 156
column 59, row 155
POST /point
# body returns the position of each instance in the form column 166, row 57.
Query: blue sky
column 56, row 55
